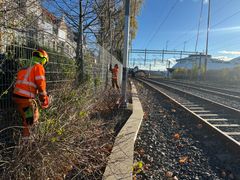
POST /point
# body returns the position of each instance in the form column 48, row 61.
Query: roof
column 51, row 17
column 235, row 60
column 212, row 63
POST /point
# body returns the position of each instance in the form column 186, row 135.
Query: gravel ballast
column 172, row 145
column 214, row 97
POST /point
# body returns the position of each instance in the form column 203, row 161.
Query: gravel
column 216, row 98
column 232, row 86
column 172, row 145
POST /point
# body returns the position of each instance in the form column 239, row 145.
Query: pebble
column 162, row 149
column 175, row 178
column 168, row 174
column 231, row 176
column 223, row 174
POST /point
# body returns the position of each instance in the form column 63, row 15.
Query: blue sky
column 159, row 26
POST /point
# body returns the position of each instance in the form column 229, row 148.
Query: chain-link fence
column 16, row 52
column 97, row 61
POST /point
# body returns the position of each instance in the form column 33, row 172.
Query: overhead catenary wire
column 207, row 39
column 197, row 37
column 214, row 25
column 186, row 32
column 199, row 23
column 227, row 18
column 201, row 32
column 221, row 8
column 233, row 42
column 164, row 20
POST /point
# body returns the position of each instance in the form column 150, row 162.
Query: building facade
column 27, row 20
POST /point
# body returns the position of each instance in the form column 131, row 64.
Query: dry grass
column 71, row 140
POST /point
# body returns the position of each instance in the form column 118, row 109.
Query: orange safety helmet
column 42, row 55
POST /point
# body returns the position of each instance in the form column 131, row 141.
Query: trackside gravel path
column 173, row 146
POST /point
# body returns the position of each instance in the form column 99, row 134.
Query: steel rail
column 207, row 112
column 216, row 91
column 223, row 90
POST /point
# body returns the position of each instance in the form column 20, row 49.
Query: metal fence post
column 125, row 54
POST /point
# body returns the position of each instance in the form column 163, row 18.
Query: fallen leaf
column 137, row 167
column 176, row 136
column 183, row 159
column 145, row 115
column 141, row 152
column 109, row 147
column 146, row 166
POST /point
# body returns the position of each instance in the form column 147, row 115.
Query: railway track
column 218, row 118
column 226, row 93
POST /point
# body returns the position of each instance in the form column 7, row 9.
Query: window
column 54, row 45
column 21, row 3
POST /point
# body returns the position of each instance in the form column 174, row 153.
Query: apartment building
column 26, row 20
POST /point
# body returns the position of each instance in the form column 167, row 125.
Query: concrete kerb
column 121, row 158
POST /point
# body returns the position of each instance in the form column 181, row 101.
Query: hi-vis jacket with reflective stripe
column 31, row 81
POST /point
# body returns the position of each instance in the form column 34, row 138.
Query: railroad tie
column 226, row 125
column 232, row 133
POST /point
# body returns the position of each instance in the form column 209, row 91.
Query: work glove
column 45, row 103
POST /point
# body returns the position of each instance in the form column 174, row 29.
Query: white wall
column 62, row 35
column 47, row 27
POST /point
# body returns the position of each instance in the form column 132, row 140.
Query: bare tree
column 102, row 20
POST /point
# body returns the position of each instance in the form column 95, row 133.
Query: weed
column 68, row 136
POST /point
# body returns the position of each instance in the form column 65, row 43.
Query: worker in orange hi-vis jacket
column 114, row 76
column 31, row 82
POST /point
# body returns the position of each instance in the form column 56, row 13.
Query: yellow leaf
column 137, row 167
column 82, row 114
column 53, row 139
column 60, row 131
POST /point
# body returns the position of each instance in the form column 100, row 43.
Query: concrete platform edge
column 121, row 158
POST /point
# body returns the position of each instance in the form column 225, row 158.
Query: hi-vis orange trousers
column 115, row 83
column 29, row 113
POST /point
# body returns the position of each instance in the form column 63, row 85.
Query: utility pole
column 145, row 57
column 200, row 67
column 110, row 32
column 150, row 68
column 208, row 29
column 168, row 66
column 125, row 53
column 167, row 44
column 184, row 44
column 162, row 55
column 199, row 22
